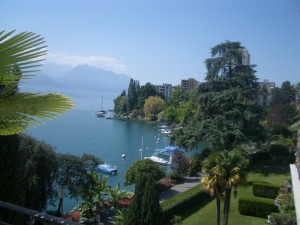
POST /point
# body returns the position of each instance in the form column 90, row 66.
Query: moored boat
column 158, row 160
column 169, row 150
column 107, row 168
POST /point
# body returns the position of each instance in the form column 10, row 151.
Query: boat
column 163, row 127
column 166, row 131
column 107, row 168
column 101, row 113
column 109, row 117
column 158, row 160
column 169, row 150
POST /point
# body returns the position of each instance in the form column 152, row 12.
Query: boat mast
column 141, row 150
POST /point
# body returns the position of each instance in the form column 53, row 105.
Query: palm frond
column 19, row 58
column 22, row 110
column 19, row 53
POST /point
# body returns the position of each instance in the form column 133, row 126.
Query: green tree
column 75, row 174
column 145, row 208
column 180, row 164
column 132, row 94
column 39, row 165
column 120, row 105
column 92, row 195
column 284, row 95
column 283, row 109
column 68, row 177
column 19, row 56
column 153, row 106
column 225, row 171
column 146, row 91
column 141, row 167
column 178, row 96
column 228, row 112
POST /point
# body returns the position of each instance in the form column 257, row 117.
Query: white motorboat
column 107, row 168
column 158, row 160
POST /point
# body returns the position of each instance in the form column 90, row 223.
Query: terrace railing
column 33, row 215
column 297, row 154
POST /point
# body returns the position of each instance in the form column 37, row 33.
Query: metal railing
column 34, row 215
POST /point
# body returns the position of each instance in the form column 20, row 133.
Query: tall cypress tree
column 132, row 95
column 150, row 211
column 145, row 208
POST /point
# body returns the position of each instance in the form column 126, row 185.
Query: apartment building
column 265, row 92
column 189, row 84
column 165, row 89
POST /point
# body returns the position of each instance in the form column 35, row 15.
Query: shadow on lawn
column 196, row 208
column 267, row 168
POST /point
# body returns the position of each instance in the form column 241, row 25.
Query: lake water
column 81, row 132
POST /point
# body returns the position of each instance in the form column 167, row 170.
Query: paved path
column 176, row 189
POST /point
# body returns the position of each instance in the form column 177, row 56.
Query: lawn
column 263, row 171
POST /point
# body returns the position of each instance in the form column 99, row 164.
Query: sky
column 162, row 41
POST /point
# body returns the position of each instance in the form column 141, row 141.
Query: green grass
column 205, row 213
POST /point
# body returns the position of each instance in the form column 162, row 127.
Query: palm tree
column 20, row 55
column 213, row 182
column 225, row 170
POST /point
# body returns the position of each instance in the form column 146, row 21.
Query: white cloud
column 103, row 62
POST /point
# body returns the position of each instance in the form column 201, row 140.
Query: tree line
column 139, row 102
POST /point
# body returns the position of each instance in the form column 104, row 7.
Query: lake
column 81, row 132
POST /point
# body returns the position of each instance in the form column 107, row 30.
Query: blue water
column 81, row 132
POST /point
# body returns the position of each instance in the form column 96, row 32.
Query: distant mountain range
column 82, row 82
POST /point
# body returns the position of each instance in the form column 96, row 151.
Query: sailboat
column 101, row 113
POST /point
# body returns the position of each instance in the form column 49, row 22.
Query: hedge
column 258, row 207
column 259, row 156
column 182, row 201
column 279, row 149
column 265, row 190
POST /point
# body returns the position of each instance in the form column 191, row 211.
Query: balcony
column 33, row 215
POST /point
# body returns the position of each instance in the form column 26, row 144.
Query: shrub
column 178, row 204
column 282, row 219
column 259, row 156
column 195, row 165
column 180, row 163
column 279, row 149
column 196, row 161
column 258, row 207
column 72, row 216
column 165, row 184
column 265, row 190
column 280, row 129
column 287, row 204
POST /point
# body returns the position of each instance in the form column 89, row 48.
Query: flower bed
column 165, row 184
column 72, row 216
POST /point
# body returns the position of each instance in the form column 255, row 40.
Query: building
column 188, row 85
column 245, row 59
column 166, row 90
column 265, row 92
column 297, row 87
